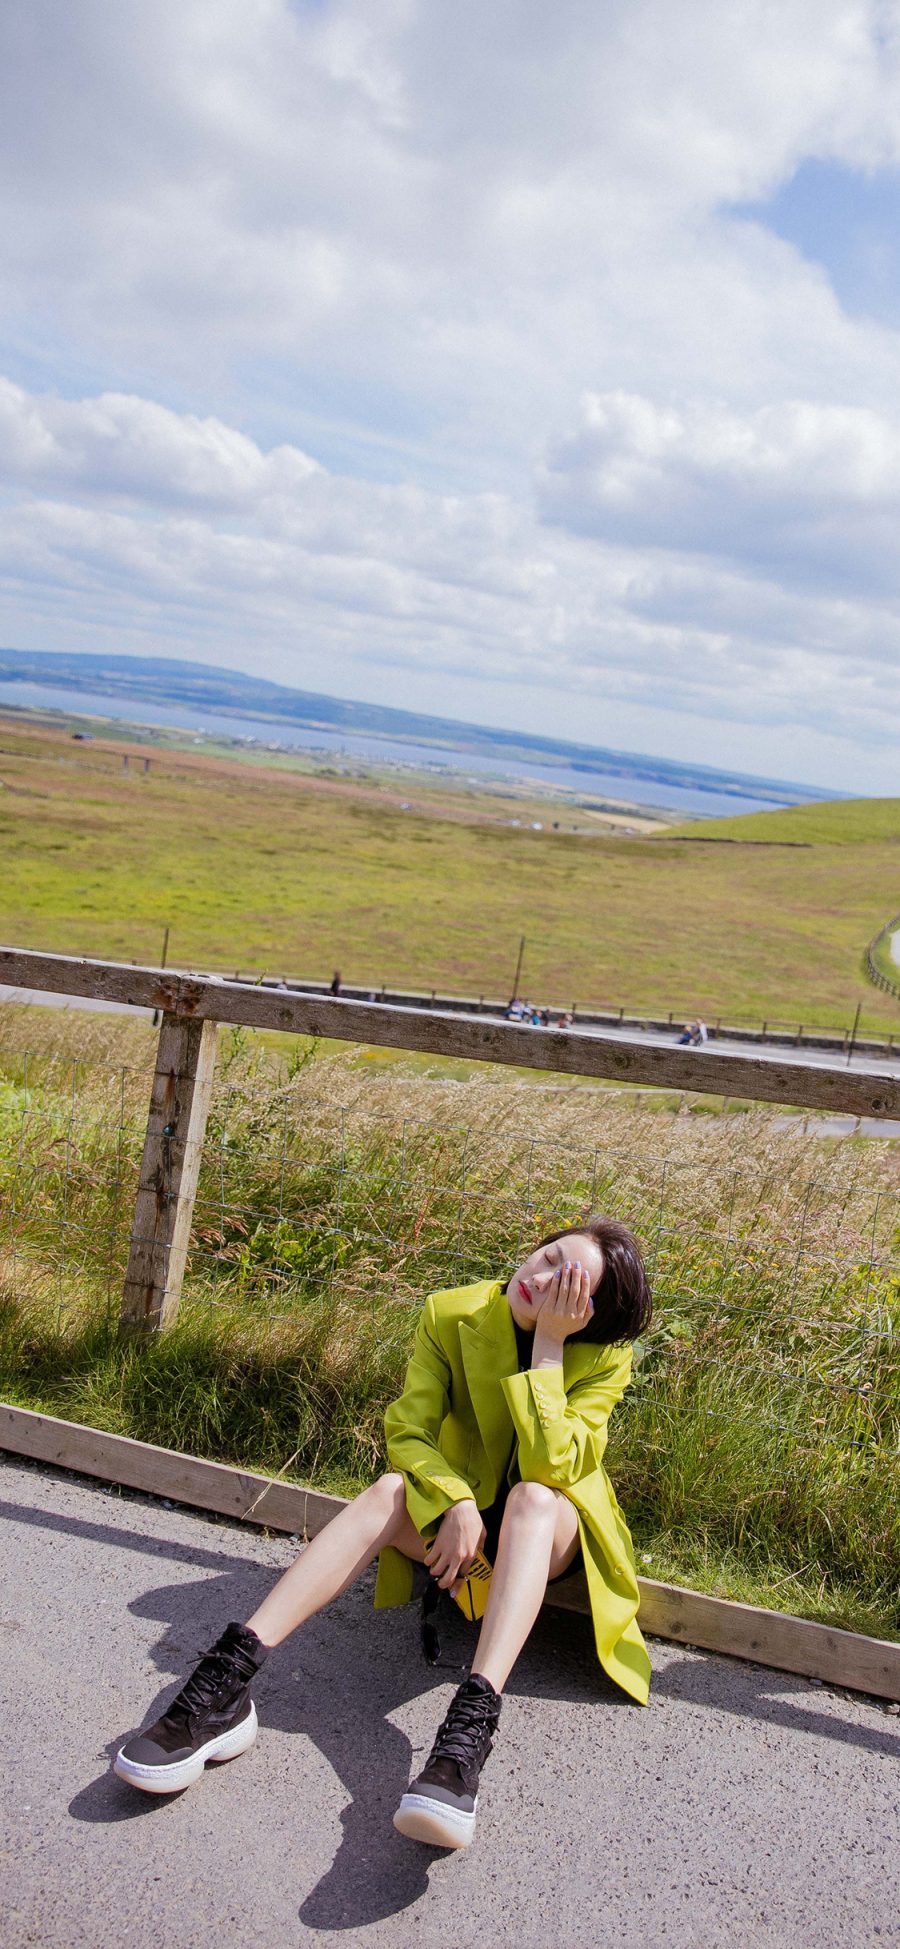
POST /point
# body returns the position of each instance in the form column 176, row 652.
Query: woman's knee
column 386, row 1499
column 530, row 1501
column 387, row 1495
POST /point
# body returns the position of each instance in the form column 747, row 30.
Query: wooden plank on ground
column 790, row 1644
column 710, row 1071
column 164, row 1472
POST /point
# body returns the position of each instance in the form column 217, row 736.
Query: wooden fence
column 191, row 1007
column 770, row 1031
column 878, row 979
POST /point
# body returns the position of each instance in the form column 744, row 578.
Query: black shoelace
column 219, row 1672
column 467, row 1733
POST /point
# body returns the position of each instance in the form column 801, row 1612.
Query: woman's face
column 531, row 1282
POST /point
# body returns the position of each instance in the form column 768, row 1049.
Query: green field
column 839, row 822
column 280, row 871
column 757, row 1453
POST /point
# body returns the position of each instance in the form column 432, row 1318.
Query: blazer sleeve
column 562, row 1436
column 412, row 1426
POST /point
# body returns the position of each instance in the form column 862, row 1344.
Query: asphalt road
column 36, row 998
column 742, row 1807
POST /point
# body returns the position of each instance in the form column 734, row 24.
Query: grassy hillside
column 843, row 822
column 278, row 871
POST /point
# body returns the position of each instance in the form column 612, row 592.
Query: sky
column 538, row 366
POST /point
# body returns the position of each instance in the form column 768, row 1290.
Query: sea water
column 590, row 784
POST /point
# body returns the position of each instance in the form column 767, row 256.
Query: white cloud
column 804, row 490
column 119, row 444
column 192, row 532
column 476, row 210
column 301, row 296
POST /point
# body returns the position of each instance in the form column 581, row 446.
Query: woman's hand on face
column 461, row 1534
column 567, row 1305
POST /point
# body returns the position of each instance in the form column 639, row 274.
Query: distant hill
column 170, row 680
column 844, row 822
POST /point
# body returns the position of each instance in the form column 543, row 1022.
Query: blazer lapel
column 488, row 1346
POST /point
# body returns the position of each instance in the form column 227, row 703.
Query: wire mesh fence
column 763, row 1421
column 774, row 1261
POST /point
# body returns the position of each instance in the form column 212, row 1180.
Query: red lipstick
column 524, row 1291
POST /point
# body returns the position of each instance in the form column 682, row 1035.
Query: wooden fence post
column 179, row 1104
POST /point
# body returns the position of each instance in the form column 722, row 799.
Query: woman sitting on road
column 496, row 1447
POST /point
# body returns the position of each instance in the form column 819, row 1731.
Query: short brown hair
column 623, row 1302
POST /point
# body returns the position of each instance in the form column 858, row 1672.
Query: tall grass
column 758, row 1451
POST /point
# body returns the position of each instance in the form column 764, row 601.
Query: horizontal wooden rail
column 859, row 1092
column 791, row 1644
column 773, row 1032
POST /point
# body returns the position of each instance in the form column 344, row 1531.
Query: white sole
column 422, row 1819
column 183, row 1773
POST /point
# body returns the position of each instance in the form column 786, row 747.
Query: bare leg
column 337, row 1556
column 538, row 1539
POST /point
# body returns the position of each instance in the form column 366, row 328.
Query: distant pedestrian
column 336, row 982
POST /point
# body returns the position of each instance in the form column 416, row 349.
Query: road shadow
column 344, row 1678
column 120, row 1538
column 748, row 1691
column 339, row 1683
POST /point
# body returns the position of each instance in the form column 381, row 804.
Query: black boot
column 213, row 1718
column 440, row 1805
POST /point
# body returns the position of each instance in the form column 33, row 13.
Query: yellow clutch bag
column 472, row 1595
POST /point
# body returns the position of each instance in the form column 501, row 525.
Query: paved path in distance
column 741, row 1808
column 653, row 1038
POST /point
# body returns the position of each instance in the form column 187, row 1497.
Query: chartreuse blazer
column 467, row 1420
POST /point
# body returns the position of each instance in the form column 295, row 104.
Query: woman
column 496, row 1445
